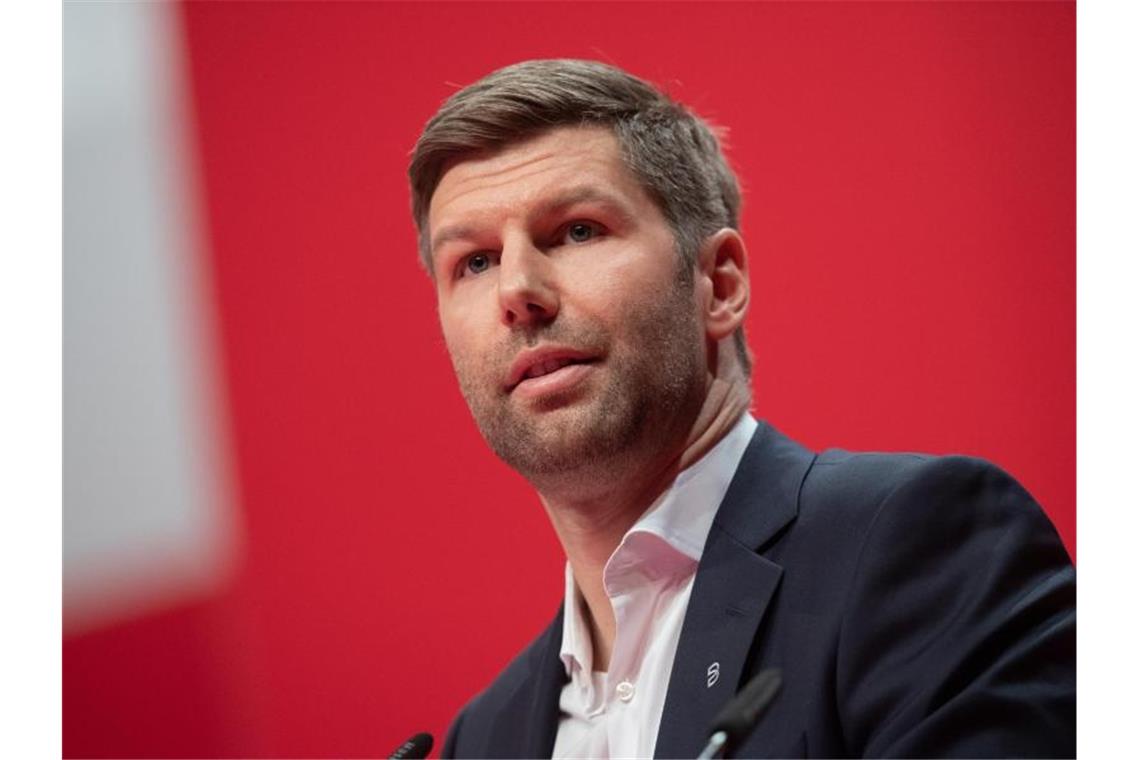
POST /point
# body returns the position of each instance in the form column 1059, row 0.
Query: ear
column 722, row 270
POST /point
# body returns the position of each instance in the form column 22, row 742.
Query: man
column 581, row 231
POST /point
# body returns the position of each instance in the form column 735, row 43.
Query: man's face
column 571, row 324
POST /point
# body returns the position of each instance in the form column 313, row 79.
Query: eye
column 580, row 232
column 476, row 263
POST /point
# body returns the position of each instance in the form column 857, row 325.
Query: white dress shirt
column 648, row 580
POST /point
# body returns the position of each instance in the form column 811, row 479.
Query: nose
column 527, row 293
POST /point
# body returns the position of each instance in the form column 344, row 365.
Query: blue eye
column 477, row 263
column 580, row 232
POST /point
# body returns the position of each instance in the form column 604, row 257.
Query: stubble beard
column 653, row 388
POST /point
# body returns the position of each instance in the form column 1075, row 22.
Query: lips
column 535, row 363
column 546, row 367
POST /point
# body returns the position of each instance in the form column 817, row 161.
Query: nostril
column 526, row 312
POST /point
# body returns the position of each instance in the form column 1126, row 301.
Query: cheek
column 470, row 356
column 456, row 318
column 612, row 287
column 638, row 268
column 458, row 348
column 456, row 340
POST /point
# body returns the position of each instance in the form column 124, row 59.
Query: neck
column 591, row 512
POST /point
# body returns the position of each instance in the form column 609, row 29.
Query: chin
column 566, row 439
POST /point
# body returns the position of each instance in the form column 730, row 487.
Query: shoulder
column 958, row 493
column 952, row 521
column 957, row 591
column 505, row 704
column 844, row 491
column 954, row 518
column 871, row 477
column 515, row 676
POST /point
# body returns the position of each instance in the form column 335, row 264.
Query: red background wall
column 909, row 177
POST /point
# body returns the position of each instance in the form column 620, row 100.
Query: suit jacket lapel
column 732, row 590
column 527, row 721
column 550, row 677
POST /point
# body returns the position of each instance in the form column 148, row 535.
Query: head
column 566, row 211
column 674, row 154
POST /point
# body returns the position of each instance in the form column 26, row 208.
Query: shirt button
column 625, row 691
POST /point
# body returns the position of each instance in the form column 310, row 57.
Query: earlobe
column 723, row 262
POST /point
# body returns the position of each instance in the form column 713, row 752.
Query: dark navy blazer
column 917, row 606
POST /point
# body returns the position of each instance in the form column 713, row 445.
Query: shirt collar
column 684, row 513
column 668, row 539
column 577, row 649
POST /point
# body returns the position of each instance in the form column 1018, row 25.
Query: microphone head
column 740, row 715
column 417, row 747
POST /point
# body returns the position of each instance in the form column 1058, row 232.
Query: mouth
column 541, row 368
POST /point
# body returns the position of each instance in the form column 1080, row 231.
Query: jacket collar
column 764, row 494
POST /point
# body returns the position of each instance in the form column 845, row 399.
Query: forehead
column 526, row 172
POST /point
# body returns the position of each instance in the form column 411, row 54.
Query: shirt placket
column 626, row 597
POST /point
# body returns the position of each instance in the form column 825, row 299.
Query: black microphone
column 417, row 747
column 735, row 722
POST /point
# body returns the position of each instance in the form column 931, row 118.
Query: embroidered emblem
column 713, row 674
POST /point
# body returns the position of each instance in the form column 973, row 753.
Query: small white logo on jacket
column 714, row 674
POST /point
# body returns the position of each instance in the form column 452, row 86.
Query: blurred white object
column 149, row 518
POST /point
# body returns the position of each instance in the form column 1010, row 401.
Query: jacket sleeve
column 958, row 636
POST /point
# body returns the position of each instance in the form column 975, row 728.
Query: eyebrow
column 586, row 194
column 560, row 202
column 454, row 232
